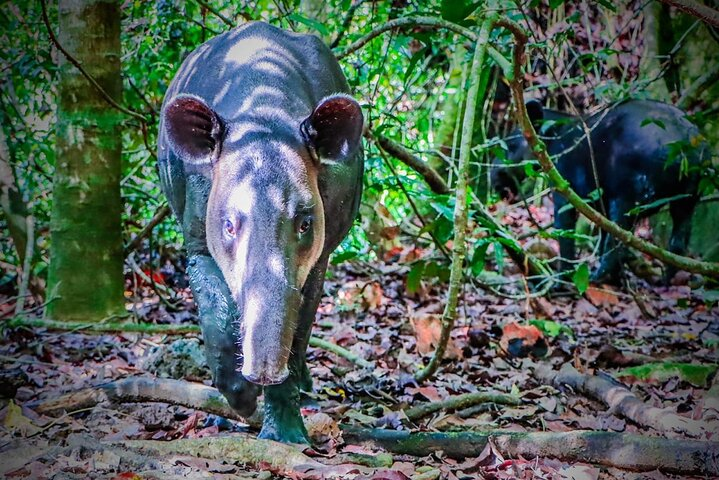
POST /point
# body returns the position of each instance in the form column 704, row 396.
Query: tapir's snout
column 269, row 307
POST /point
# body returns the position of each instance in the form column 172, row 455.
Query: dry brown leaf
column 368, row 295
column 428, row 329
column 601, row 297
column 522, row 340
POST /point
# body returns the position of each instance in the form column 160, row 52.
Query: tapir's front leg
column 218, row 320
column 282, row 420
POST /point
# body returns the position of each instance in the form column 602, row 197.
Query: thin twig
column 317, row 342
column 159, row 216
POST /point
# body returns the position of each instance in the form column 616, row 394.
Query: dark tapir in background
column 643, row 151
column 260, row 156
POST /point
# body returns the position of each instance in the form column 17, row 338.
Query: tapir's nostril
column 267, row 378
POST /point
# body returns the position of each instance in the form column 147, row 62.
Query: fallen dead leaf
column 601, row 297
column 428, row 329
column 523, row 340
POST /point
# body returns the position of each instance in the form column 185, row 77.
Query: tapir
column 260, row 156
column 643, row 151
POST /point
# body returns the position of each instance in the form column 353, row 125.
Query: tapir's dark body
column 261, row 203
column 638, row 147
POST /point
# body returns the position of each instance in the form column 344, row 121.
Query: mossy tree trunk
column 85, row 277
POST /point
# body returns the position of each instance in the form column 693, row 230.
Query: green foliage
column 402, row 79
column 552, row 328
column 580, row 278
column 697, row 375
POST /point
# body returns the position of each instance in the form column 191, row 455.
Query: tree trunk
column 85, row 276
column 11, row 201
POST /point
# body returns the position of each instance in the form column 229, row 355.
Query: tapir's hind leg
column 218, row 320
column 681, row 212
column 283, row 421
column 611, row 250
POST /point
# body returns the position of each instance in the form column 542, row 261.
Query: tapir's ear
column 333, row 131
column 535, row 111
column 193, row 129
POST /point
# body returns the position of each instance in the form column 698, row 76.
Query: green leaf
column 697, row 375
column 552, row 328
column 608, row 5
column 710, row 297
column 457, row 10
column 414, row 61
column 314, row 24
column 343, row 256
column 555, row 3
column 580, row 277
column 499, row 255
column 478, row 258
column 414, row 277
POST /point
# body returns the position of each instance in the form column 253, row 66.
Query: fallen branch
column 460, row 402
column 610, row 449
column 621, row 401
column 562, row 186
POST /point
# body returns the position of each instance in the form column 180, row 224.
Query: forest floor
column 367, row 310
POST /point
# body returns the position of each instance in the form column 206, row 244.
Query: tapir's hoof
column 604, row 278
column 284, row 435
column 605, row 275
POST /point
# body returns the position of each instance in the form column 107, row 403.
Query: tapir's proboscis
column 260, row 156
column 645, row 154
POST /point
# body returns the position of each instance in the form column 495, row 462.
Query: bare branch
column 696, row 9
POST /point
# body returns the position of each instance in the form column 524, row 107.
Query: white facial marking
column 251, row 319
column 243, row 197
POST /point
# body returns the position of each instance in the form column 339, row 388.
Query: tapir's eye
column 230, row 229
column 305, row 225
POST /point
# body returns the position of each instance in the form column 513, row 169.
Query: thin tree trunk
column 85, row 277
column 459, row 248
column 11, row 201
